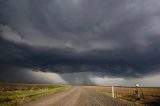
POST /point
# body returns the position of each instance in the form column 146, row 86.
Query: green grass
column 16, row 97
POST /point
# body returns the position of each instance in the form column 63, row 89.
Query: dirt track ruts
column 76, row 96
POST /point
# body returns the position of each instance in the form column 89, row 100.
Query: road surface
column 76, row 96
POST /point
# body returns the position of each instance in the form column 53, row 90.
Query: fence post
column 113, row 91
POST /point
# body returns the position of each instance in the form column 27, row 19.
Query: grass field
column 16, row 94
column 151, row 95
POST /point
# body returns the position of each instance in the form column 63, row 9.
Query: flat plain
column 70, row 95
column 151, row 94
column 12, row 94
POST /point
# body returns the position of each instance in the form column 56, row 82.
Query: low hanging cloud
column 118, row 39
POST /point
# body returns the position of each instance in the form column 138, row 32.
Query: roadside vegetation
column 126, row 94
column 16, row 94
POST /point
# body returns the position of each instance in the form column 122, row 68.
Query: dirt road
column 76, row 96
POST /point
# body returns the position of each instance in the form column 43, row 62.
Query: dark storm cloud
column 106, row 37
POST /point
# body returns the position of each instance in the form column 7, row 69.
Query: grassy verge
column 127, row 94
column 17, row 97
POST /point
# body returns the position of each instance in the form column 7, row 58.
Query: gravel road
column 76, row 96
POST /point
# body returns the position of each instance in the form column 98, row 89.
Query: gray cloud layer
column 108, row 37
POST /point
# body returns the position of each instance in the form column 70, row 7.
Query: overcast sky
column 102, row 42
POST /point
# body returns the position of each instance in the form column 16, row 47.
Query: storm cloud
column 117, row 39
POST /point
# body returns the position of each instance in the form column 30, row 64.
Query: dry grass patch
column 151, row 95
